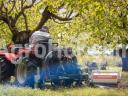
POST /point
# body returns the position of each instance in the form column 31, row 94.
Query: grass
column 125, row 76
column 13, row 91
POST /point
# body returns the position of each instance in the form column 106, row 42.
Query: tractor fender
column 9, row 56
column 12, row 56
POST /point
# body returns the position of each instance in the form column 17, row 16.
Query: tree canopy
column 103, row 22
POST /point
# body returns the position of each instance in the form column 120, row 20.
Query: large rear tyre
column 25, row 73
column 7, row 70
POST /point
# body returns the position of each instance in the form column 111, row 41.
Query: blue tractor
column 58, row 65
column 124, row 59
column 59, row 71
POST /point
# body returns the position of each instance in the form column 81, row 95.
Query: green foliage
column 103, row 22
column 108, row 22
column 5, row 34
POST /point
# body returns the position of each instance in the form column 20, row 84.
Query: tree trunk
column 21, row 37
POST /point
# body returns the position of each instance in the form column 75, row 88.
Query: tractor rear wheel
column 7, row 70
column 25, row 73
column 28, row 74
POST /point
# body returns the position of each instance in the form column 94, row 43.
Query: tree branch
column 13, row 6
column 1, row 6
column 26, row 23
column 45, row 16
column 60, row 22
column 61, row 6
column 9, row 21
column 5, row 7
column 61, row 18
column 69, row 14
column 29, row 6
column 23, row 8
